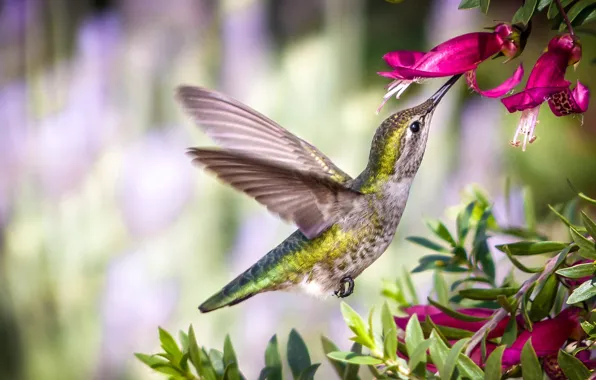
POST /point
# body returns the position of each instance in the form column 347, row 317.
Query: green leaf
column 351, row 372
column 529, row 211
column 469, row 4
column 492, row 370
column 455, row 314
column 151, row 360
column 199, row 358
column 414, row 335
column 232, row 372
column 353, row 358
column 229, row 356
column 586, row 198
column 528, row 248
column 553, row 10
column 329, row 346
column 357, row 325
column 469, row 369
column 572, row 367
column 168, row 369
column 438, row 351
column 183, row 337
column 587, row 248
column 453, row 358
column 427, row 244
column 441, row 288
column 557, row 213
column 510, row 334
column 441, row 231
column 470, row 279
column 392, row 290
column 217, row 361
column 487, row 294
column 543, row 4
column 589, row 224
column 525, row 12
column 449, row 333
column 389, row 333
column 272, row 358
column 578, row 271
column 583, row 292
column 484, row 4
column 531, row 368
column 578, row 8
column 418, row 354
column 589, row 328
column 438, row 262
column 525, row 308
column 298, row 357
column 309, row 372
column 410, row 286
column 545, row 299
column 169, row 345
column 519, row 265
column 463, row 222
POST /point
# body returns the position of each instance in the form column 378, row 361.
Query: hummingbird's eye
column 415, row 126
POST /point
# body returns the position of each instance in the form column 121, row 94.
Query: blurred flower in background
column 106, row 229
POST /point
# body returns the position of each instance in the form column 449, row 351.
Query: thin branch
column 500, row 314
column 562, row 11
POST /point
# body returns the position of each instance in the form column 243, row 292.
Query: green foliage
column 573, row 368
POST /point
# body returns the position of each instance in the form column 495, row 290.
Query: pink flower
column 456, row 56
column 441, row 319
column 547, row 336
column 547, row 83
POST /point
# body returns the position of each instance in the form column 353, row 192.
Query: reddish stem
column 562, row 11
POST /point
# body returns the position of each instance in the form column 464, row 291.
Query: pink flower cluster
column 464, row 53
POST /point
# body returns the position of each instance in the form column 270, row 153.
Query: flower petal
column 530, row 98
column 547, row 336
column 567, row 102
column 403, row 58
column 501, row 89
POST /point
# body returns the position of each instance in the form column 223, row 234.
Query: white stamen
column 397, row 87
column 526, row 126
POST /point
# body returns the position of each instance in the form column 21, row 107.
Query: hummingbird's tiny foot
column 343, row 292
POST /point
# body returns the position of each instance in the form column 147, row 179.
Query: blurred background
column 107, row 230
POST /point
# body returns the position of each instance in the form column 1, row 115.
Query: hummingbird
column 344, row 223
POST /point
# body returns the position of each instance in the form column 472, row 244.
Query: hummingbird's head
column 400, row 141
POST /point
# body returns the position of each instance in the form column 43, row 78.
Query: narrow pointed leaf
column 441, row 288
column 492, row 370
column 426, row 243
column 453, row 358
column 351, row 371
column 329, row 346
column 229, row 355
column 389, row 333
column 418, row 354
column 309, row 372
column 463, row 222
column 199, row 358
column 528, row 248
column 357, row 325
column 583, row 292
column 578, row 271
column 217, row 361
column 543, row 4
column 232, row 372
column 573, row 368
column 455, row 314
column 589, row 224
column 441, row 231
column 468, row 368
column 559, row 215
column 298, row 357
column 510, row 333
column 484, row 4
column 587, row 248
column 151, row 360
column 518, row 264
column 487, row 294
column 410, row 286
column 354, row 358
column 169, row 345
column 469, row 4
column 414, row 335
column 438, row 351
column 525, row 12
column 531, row 368
column 272, row 358
column 545, row 299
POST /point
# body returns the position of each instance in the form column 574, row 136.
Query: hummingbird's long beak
column 436, row 98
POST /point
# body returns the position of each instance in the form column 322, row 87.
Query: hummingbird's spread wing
column 312, row 201
column 238, row 127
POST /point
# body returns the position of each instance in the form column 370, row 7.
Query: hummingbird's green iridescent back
column 344, row 224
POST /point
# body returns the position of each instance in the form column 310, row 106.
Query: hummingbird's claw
column 343, row 292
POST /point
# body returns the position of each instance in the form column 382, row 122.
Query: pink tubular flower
column 548, row 336
column 456, row 56
column 441, row 319
column 547, row 83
